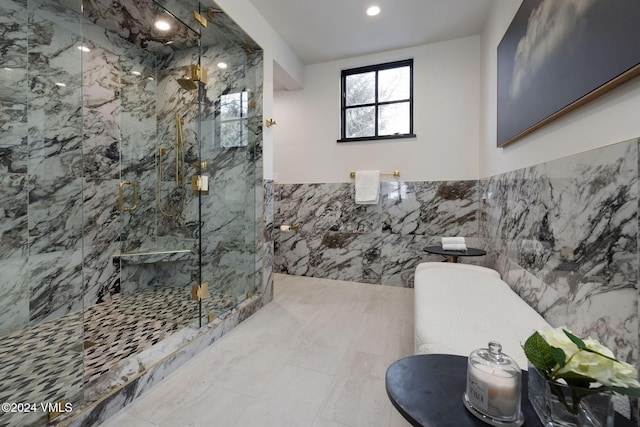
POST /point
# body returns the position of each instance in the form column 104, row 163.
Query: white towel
column 452, row 240
column 367, row 187
column 454, row 247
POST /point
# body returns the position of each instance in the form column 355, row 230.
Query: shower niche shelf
column 152, row 256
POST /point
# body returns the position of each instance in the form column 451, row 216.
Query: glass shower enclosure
column 128, row 156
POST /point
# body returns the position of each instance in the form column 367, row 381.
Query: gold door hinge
column 198, row 74
column 200, row 184
column 201, row 19
column 199, row 292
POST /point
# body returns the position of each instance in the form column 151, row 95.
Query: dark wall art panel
column 559, row 54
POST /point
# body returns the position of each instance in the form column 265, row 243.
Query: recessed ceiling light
column 222, row 65
column 84, row 49
column 373, row 10
column 162, row 25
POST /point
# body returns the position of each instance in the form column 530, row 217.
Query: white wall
column 606, row 120
column 446, row 121
column 276, row 51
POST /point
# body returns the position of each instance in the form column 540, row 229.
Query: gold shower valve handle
column 121, row 205
column 270, row 122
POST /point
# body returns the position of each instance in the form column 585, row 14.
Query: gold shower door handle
column 135, row 196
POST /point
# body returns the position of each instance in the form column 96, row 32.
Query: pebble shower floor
column 42, row 364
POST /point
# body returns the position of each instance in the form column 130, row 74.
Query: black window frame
column 376, row 103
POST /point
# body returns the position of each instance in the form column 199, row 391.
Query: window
column 234, row 131
column 377, row 102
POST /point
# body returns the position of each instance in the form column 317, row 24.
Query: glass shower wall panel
column 137, row 119
column 14, row 296
column 228, row 147
column 255, row 199
column 41, row 195
column 54, row 161
column 148, row 126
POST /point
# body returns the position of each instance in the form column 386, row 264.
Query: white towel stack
column 367, row 187
column 454, row 244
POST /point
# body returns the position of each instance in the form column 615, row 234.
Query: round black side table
column 453, row 255
column 427, row 390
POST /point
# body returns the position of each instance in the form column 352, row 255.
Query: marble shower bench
column 152, row 256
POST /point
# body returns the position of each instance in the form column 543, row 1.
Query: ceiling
column 326, row 30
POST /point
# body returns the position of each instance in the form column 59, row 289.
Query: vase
column 560, row 405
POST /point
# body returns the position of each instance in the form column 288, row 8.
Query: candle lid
column 494, row 357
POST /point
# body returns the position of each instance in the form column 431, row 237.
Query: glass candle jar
column 494, row 383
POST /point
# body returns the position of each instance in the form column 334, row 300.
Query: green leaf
column 627, row 391
column 539, row 353
column 577, row 341
column 575, row 379
column 559, row 356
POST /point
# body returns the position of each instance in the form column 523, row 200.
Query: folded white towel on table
column 367, row 187
column 454, row 247
column 452, row 240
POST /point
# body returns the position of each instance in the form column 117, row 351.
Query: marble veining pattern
column 378, row 244
column 90, row 123
column 564, row 235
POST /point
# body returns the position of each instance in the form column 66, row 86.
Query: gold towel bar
column 394, row 173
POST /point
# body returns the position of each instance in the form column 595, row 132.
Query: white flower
column 557, row 338
column 598, row 364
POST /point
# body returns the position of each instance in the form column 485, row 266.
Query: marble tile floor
column 57, row 359
column 315, row 356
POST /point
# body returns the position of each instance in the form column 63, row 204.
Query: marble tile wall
column 379, row 244
column 564, row 235
column 131, row 120
column 60, row 185
column 40, row 164
column 268, row 243
column 91, row 123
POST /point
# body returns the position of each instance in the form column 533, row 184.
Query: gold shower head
column 198, row 74
column 188, row 84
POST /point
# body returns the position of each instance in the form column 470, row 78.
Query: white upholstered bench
column 461, row 307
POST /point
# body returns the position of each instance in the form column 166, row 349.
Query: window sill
column 377, row 138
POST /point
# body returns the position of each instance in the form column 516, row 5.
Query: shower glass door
column 159, row 153
column 229, row 141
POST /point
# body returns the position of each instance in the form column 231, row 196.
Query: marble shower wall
column 130, row 97
column 133, row 117
column 41, row 168
column 91, row 123
column 232, row 211
column 379, row 244
column 564, row 236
